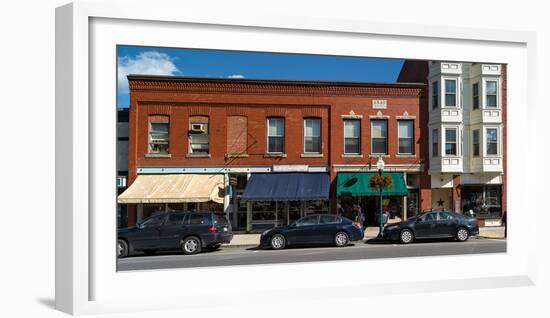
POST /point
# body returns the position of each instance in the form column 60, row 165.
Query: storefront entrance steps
column 240, row 240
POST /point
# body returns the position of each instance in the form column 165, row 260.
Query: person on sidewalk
column 504, row 223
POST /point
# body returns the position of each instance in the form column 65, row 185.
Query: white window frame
column 267, row 134
column 411, row 121
column 358, row 137
column 478, row 143
column 457, row 142
column 437, row 91
column 444, row 89
column 438, row 139
column 485, row 143
column 485, row 80
column 150, row 139
column 320, row 136
column 371, row 137
column 478, row 96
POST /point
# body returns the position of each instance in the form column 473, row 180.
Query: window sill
column 236, row 155
column 198, row 155
column 374, row 155
column 311, row 155
column 275, row 155
column 158, row 155
column 405, row 156
column 349, row 155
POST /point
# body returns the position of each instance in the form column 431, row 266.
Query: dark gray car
column 433, row 224
column 189, row 231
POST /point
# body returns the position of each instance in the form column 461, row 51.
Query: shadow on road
column 380, row 241
column 258, row 248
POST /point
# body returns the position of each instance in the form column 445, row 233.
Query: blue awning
column 287, row 187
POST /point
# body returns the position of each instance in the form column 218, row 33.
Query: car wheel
column 341, row 239
column 277, row 242
column 150, row 252
column 191, row 245
column 213, row 247
column 406, row 236
column 462, row 234
column 122, row 248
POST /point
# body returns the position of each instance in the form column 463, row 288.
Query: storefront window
column 318, row 206
column 412, row 204
column 483, row 200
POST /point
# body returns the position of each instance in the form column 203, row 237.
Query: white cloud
column 145, row 63
column 236, row 76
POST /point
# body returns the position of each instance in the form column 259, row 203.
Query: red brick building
column 223, row 133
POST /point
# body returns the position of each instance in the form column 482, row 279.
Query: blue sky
column 240, row 64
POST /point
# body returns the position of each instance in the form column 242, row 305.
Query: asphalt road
column 359, row 250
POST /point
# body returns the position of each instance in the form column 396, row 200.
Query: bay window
column 451, row 141
column 491, row 93
column 450, row 92
column 492, row 141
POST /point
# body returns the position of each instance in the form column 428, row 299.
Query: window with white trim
column 405, row 136
column 450, row 92
column 435, row 95
column 492, row 141
column 451, row 141
column 275, row 135
column 475, row 96
column 198, row 135
column 159, row 135
column 379, row 136
column 435, row 143
column 312, row 135
column 491, row 93
column 475, row 142
column 352, row 136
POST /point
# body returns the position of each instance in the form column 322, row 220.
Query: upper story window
column 379, row 136
column 451, row 141
column 435, row 95
column 492, row 141
column 275, row 135
column 198, row 135
column 435, row 143
column 450, row 92
column 159, row 135
column 491, row 93
column 352, row 136
column 475, row 142
column 475, row 96
column 405, row 136
column 312, row 135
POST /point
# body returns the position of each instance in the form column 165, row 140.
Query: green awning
column 357, row 184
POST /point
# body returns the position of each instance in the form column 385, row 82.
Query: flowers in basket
column 380, row 182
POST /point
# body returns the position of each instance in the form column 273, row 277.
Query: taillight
column 213, row 229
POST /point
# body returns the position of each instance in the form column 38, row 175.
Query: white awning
column 175, row 188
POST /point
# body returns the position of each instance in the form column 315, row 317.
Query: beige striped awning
column 175, row 188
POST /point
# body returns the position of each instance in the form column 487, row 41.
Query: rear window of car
column 328, row 219
column 444, row 216
column 198, row 219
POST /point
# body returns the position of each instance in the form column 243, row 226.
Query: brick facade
column 237, row 110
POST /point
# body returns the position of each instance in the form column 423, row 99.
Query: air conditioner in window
column 199, row 128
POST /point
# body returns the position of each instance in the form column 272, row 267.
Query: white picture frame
column 86, row 278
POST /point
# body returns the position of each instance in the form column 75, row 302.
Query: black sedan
column 434, row 224
column 313, row 229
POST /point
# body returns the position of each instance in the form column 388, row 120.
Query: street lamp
column 380, row 166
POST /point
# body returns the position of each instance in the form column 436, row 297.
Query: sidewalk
column 240, row 240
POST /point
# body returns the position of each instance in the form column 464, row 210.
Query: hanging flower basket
column 380, row 182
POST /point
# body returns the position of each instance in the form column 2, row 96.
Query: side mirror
column 418, row 220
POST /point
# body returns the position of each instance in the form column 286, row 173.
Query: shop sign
column 290, row 168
